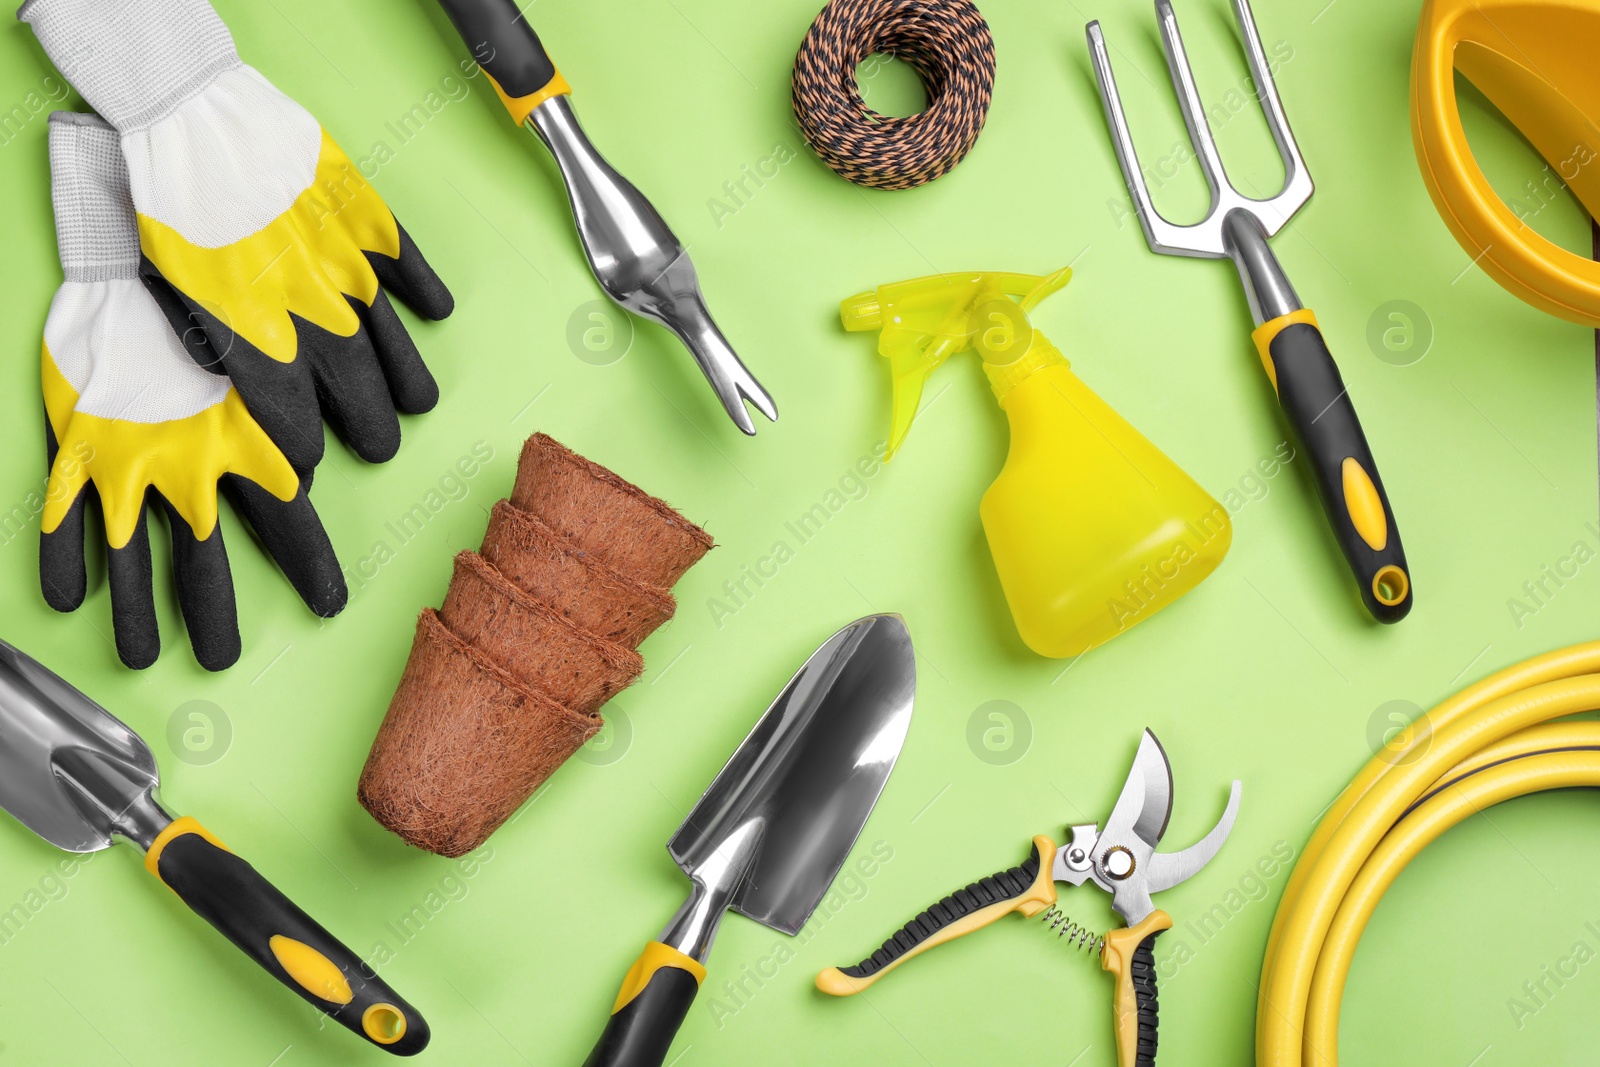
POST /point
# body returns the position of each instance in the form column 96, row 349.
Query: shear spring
column 1080, row 937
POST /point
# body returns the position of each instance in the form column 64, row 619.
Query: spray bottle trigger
column 909, row 368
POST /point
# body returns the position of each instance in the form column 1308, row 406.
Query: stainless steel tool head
column 640, row 262
column 69, row 770
column 786, row 809
column 1122, row 859
column 1209, row 237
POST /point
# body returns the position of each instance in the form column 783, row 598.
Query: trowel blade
column 68, row 767
column 808, row 775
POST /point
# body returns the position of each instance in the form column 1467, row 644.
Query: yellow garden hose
column 1488, row 743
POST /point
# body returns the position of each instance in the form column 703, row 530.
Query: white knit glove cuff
column 134, row 61
column 95, row 224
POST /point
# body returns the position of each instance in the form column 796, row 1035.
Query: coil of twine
column 947, row 42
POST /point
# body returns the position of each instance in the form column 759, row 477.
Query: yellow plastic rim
column 1390, row 585
column 384, row 1023
column 1531, row 59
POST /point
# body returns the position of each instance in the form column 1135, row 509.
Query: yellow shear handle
column 1030, row 899
column 1129, row 955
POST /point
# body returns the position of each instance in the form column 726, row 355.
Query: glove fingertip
column 218, row 651
column 138, row 650
column 63, row 589
column 333, row 598
column 378, row 446
column 420, row 397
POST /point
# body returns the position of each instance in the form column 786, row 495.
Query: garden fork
column 1296, row 358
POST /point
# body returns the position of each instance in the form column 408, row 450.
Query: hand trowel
column 775, row 826
column 76, row 776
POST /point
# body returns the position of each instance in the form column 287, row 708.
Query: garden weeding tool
column 1121, row 859
column 1287, row 336
column 634, row 254
column 79, row 778
column 768, row 836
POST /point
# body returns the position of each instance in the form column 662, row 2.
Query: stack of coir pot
column 506, row 680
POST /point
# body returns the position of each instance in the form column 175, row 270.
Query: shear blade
column 1167, row 869
column 1145, row 804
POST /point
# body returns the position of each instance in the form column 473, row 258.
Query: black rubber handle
column 1144, row 992
column 267, row 926
column 1003, row 885
column 642, row 1027
column 1018, row 888
column 503, row 44
column 1313, row 396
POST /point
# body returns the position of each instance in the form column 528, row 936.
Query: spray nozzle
column 925, row 321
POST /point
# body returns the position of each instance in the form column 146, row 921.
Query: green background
column 1269, row 672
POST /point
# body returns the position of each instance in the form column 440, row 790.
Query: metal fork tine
column 1194, row 114
column 1121, row 137
column 1297, row 185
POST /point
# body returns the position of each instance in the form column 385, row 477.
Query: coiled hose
column 947, row 42
column 1489, row 743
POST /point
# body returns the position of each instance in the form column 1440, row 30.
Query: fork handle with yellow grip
column 1314, row 398
column 1027, row 888
column 291, row 946
column 507, row 49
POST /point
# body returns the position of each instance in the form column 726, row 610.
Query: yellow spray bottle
column 1092, row 528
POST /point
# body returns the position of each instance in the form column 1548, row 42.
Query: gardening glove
column 259, row 235
column 131, row 417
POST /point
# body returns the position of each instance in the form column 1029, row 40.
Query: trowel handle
column 1317, row 404
column 508, row 51
column 1027, row 888
column 652, row 1004
column 267, row 926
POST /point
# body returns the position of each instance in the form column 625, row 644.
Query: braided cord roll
column 947, row 42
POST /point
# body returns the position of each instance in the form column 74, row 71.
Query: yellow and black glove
column 132, row 418
column 260, row 237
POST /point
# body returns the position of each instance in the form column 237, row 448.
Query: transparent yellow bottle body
column 1092, row 528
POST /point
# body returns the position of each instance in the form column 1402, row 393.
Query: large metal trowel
column 76, row 776
column 775, row 826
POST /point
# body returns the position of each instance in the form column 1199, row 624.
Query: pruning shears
column 1121, row 859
